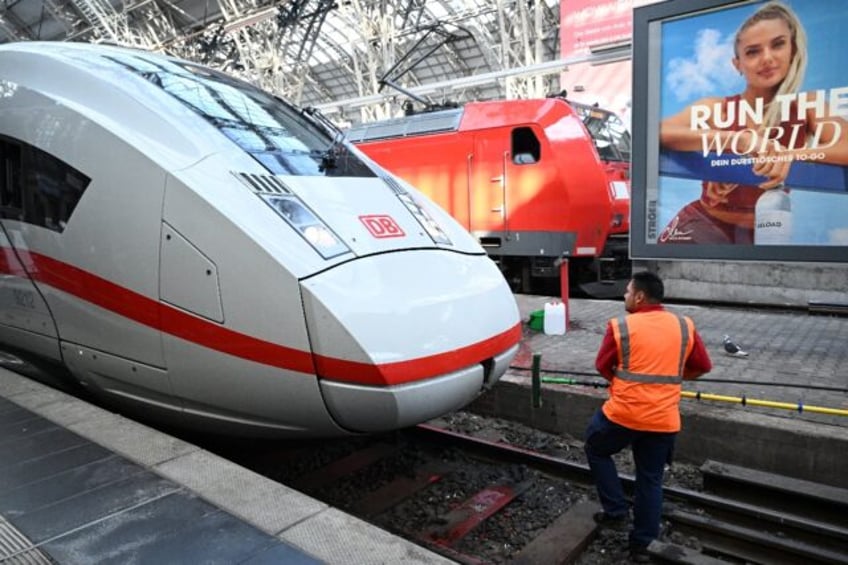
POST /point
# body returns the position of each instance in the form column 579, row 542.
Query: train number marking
column 24, row 298
column 381, row 226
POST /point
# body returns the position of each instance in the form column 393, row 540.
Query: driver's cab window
column 526, row 148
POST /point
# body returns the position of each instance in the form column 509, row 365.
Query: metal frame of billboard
column 647, row 22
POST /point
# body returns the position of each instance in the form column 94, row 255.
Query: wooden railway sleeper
column 751, row 544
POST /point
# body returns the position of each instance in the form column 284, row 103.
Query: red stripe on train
column 417, row 369
column 163, row 317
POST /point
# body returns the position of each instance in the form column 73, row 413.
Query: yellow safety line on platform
column 798, row 407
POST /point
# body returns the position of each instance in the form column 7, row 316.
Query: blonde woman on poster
column 768, row 127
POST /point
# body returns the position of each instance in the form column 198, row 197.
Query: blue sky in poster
column 696, row 55
column 696, row 51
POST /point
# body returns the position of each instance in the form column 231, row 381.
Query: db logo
column 381, row 226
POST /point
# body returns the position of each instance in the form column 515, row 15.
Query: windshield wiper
column 330, row 155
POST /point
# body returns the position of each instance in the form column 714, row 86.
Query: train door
column 504, row 177
column 25, row 319
column 73, row 265
column 489, row 210
column 524, row 180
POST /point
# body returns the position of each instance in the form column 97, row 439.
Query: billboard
column 740, row 130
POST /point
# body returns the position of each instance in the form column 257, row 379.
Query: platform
column 795, row 358
column 81, row 485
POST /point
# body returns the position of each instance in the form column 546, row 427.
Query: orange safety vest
column 652, row 350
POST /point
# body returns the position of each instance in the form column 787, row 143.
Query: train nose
column 403, row 337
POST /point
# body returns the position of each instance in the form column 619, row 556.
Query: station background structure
column 337, row 55
column 333, row 54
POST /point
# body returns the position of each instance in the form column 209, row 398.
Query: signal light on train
column 305, row 222
column 433, row 229
column 425, row 219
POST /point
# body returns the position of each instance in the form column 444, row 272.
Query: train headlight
column 313, row 230
column 320, row 237
column 617, row 220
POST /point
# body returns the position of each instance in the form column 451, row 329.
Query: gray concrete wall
column 781, row 284
column 792, row 447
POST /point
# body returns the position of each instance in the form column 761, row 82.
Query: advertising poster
column 745, row 126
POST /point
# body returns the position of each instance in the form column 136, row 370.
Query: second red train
column 535, row 181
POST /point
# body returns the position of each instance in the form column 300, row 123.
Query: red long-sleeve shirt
column 696, row 364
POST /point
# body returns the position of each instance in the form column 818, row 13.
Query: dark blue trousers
column 651, row 451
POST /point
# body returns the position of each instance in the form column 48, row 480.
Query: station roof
column 340, row 55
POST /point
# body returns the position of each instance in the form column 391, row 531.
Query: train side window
column 11, row 191
column 51, row 189
column 605, row 150
column 526, row 148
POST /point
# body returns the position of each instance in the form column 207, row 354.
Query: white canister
column 554, row 320
column 773, row 218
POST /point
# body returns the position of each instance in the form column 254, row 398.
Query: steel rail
column 728, row 526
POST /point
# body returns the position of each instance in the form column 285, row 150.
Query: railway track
column 478, row 501
column 481, row 501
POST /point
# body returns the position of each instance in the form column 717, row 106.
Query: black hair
column 650, row 284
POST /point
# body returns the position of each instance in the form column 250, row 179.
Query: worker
column 645, row 355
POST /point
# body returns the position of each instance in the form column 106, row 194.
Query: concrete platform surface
column 795, row 358
column 81, row 485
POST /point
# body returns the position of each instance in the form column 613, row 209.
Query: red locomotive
column 536, row 181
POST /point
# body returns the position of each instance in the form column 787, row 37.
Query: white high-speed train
column 187, row 243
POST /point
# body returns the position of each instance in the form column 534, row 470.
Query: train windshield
column 284, row 139
column 607, row 130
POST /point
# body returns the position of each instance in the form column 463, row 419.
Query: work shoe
column 609, row 521
column 639, row 554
